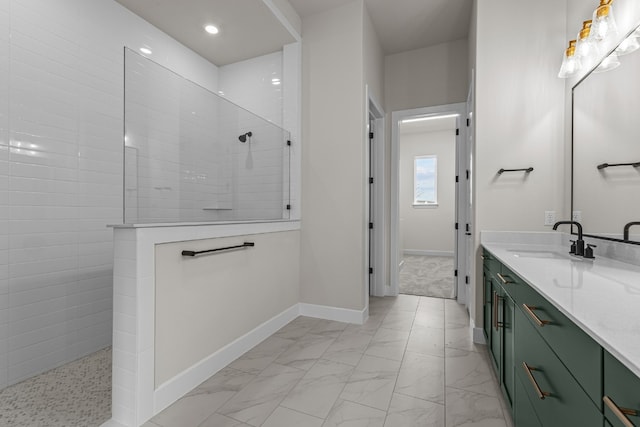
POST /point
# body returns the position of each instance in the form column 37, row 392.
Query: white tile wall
column 61, row 121
column 250, row 84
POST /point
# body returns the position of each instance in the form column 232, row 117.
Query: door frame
column 377, row 214
column 462, row 213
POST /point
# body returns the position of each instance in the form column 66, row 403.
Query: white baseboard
column 178, row 386
column 172, row 390
column 478, row 336
column 427, row 253
column 112, row 423
column 334, row 313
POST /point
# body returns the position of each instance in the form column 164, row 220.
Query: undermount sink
column 523, row 253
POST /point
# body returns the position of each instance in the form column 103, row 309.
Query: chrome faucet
column 627, row 227
column 579, row 250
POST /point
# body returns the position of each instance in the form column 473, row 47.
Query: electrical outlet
column 577, row 216
column 549, row 217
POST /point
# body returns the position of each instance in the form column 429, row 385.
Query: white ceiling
column 249, row 29
column 403, row 25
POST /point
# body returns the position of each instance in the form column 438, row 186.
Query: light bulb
column 604, row 23
column 571, row 62
column 585, row 47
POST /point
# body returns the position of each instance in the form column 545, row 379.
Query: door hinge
column 370, row 226
column 456, row 225
column 370, row 135
column 289, row 143
column 466, row 279
column 288, row 207
column 457, row 178
column 370, row 180
column 468, row 122
column 467, row 173
column 457, row 131
column 466, row 227
column 455, row 273
column 370, row 270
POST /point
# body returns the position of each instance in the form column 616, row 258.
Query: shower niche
column 191, row 156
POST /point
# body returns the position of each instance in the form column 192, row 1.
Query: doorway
column 428, row 208
column 375, row 200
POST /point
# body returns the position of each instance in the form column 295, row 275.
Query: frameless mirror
column 606, row 148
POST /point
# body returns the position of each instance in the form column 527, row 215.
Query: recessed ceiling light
column 211, row 29
column 146, row 50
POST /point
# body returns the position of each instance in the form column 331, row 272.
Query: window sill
column 425, row 206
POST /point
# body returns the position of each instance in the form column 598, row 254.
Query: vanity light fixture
column 609, row 63
column 604, row 24
column 585, row 46
column 571, row 62
column 211, row 29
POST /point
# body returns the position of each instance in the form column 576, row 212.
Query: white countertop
column 601, row 296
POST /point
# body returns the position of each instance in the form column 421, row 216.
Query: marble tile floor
column 413, row 363
column 429, row 276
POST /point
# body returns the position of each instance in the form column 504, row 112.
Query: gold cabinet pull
column 503, row 280
column 541, row 394
column 529, row 310
column 496, row 325
column 621, row 413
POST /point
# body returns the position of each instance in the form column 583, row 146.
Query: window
column 425, row 189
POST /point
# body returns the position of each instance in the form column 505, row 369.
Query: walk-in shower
column 183, row 162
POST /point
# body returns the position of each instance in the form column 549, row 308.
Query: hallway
column 411, row 364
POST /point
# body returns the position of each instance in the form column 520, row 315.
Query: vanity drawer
column 554, row 394
column 523, row 413
column 622, row 388
column 509, row 281
column 577, row 350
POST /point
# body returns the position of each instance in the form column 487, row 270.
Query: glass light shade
column 586, row 47
column 628, row 45
column 604, row 23
column 609, row 63
column 570, row 62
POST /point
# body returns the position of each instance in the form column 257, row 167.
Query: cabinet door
column 523, row 413
column 508, row 356
column 496, row 330
column 487, row 305
column 622, row 393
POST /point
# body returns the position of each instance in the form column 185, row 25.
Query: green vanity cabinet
column 499, row 309
column 621, row 394
column 556, row 396
column 551, row 372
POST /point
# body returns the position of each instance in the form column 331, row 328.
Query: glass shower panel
column 193, row 156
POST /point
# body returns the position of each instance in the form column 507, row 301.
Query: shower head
column 243, row 137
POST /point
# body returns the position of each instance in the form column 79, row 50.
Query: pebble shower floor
column 77, row 394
